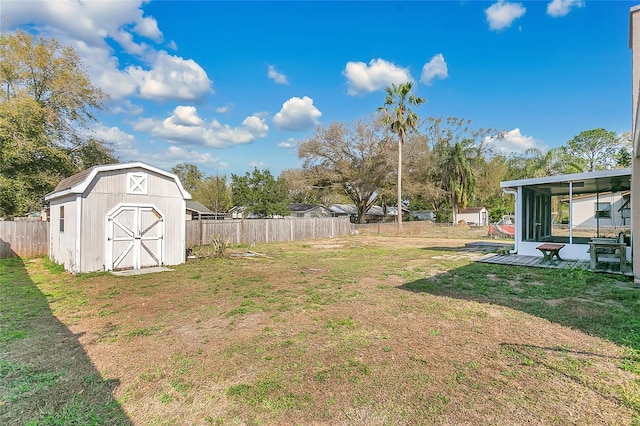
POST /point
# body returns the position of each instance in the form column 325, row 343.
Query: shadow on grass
column 598, row 304
column 46, row 377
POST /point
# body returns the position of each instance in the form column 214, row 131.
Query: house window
column 137, row 183
column 603, row 210
column 61, row 218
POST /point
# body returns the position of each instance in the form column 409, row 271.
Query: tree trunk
column 454, row 211
column 399, row 205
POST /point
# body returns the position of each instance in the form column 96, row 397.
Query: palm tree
column 458, row 177
column 400, row 120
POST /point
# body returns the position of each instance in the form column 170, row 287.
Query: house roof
column 78, row 183
column 302, row 207
column 197, row 207
column 582, row 183
column 344, row 208
column 353, row 210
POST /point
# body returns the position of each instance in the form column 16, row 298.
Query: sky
column 229, row 86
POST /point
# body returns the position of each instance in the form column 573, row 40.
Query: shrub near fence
column 24, row 238
column 248, row 231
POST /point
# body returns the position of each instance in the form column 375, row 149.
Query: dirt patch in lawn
column 343, row 331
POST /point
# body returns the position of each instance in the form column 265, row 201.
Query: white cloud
column 435, row 68
column 91, row 21
column 124, row 145
column 276, row 76
column 289, row 143
column 363, row 78
column 501, row 15
column 186, row 116
column 185, row 126
column 172, row 78
column 87, row 26
column 559, row 8
column 127, row 107
column 115, row 136
column 513, row 142
column 297, row 114
column 223, row 109
column 148, row 27
column 177, row 154
column 256, row 164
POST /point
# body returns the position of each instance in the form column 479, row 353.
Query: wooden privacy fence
column 24, row 238
column 248, row 231
column 31, row 238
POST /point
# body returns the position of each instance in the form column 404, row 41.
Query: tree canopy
column 261, row 193
column 351, row 158
column 46, row 102
column 597, row 148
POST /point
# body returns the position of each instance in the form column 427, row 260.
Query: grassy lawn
column 359, row 330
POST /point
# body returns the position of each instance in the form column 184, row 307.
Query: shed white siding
column 83, row 245
column 62, row 248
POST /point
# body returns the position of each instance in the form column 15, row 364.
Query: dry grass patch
column 372, row 330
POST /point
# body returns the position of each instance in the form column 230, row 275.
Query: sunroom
column 574, row 211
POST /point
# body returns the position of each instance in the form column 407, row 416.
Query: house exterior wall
column 634, row 41
column 584, row 212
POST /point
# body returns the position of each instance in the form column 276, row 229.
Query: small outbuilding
column 118, row 216
column 474, row 216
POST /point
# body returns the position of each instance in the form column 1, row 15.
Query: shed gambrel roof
column 78, row 183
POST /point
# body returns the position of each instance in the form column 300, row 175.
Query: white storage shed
column 118, row 216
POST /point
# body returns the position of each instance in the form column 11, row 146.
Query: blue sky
column 230, row 86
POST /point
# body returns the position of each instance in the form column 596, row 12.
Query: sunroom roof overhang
column 581, row 183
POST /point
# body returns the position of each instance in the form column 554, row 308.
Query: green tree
column 459, row 156
column 352, row 158
column 52, row 75
column 596, row 147
column 261, row 193
column 401, row 120
column 190, row 175
column 30, row 163
column 93, row 153
column 46, row 103
column 535, row 162
column 624, row 155
column 214, row 193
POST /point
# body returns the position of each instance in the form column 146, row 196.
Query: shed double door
column 135, row 238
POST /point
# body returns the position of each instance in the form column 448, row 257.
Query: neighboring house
column 603, row 210
column 308, row 210
column 197, row 211
column 349, row 210
column 118, row 216
column 423, row 215
column 474, row 216
column 374, row 214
